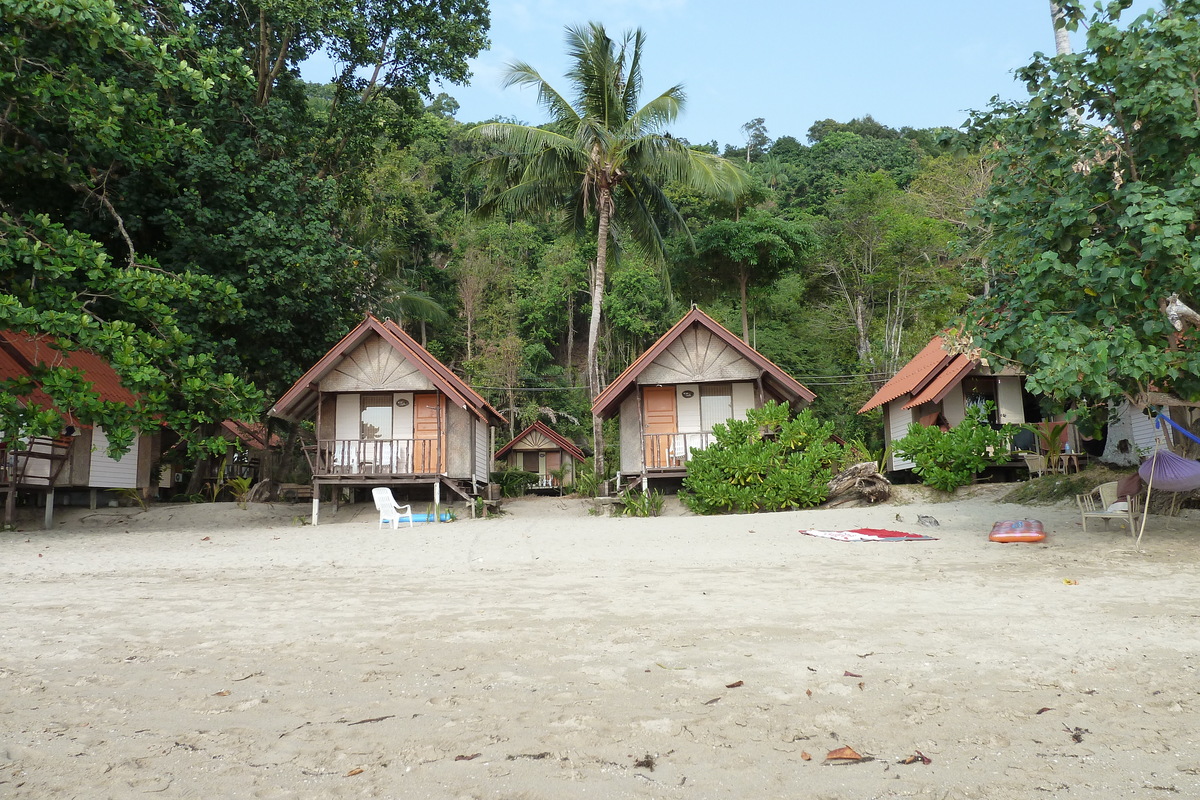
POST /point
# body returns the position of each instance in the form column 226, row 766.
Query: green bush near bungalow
column 949, row 459
column 771, row 461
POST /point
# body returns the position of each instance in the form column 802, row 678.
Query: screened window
column 716, row 404
column 376, row 416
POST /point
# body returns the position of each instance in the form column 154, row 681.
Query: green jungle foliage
column 770, row 461
column 949, row 459
column 174, row 197
column 1095, row 209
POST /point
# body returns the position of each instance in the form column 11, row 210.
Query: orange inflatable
column 1017, row 530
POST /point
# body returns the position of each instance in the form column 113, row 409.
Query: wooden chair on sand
column 1103, row 503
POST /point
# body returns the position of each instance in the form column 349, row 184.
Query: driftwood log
column 859, row 483
column 263, row 492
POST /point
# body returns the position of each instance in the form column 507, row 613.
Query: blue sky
column 921, row 63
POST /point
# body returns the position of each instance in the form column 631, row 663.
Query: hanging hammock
column 1171, row 473
column 1166, row 471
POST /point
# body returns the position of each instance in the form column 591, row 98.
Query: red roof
column 299, row 402
column 784, row 385
column 9, row 369
column 928, row 377
column 21, row 352
column 924, row 364
column 549, row 433
column 942, row 382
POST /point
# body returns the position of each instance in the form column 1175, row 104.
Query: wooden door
column 427, row 433
column 661, row 423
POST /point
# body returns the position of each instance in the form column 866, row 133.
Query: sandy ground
column 210, row 652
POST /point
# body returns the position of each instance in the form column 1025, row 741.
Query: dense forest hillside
column 175, row 197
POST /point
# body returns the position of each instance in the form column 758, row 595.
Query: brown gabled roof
column 299, row 402
column 915, row 376
column 549, row 433
column 608, row 400
column 477, row 400
column 21, row 352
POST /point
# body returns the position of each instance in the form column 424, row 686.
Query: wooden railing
column 672, row 450
column 33, row 463
column 375, row 457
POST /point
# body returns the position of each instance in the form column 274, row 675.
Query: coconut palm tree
column 602, row 158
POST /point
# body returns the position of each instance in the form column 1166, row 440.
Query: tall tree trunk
column 570, row 334
column 512, row 413
column 1062, row 37
column 1062, row 45
column 604, row 206
column 862, row 329
column 743, row 278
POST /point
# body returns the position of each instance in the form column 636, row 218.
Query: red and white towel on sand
column 869, row 535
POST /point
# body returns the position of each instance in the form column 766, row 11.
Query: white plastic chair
column 389, row 510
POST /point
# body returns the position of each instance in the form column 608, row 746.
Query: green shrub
column 949, row 459
column 240, row 489
column 587, row 483
column 770, row 461
column 513, row 482
column 639, row 504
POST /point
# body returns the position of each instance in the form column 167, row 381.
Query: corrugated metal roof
column 945, row 380
column 39, row 350
column 21, row 352
column 10, row 369
column 924, row 366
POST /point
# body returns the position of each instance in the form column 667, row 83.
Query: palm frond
column 521, row 74
column 704, row 172
column 403, row 305
column 633, row 80
column 644, row 204
column 522, row 138
column 658, row 113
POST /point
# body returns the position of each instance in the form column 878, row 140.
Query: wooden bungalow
column 541, row 450
column 937, row 386
column 388, row 413
column 78, row 460
column 668, row 400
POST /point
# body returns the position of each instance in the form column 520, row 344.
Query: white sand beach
column 205, row 651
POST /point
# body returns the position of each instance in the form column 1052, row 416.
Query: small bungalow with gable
column 698, row 374
column 937, row 386
column 543, row 451
column 78, row 460
column 388, row 413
